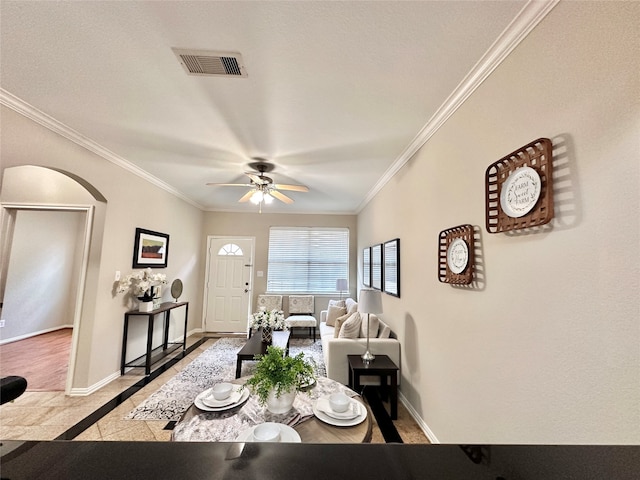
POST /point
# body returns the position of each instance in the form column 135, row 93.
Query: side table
column 382, row 367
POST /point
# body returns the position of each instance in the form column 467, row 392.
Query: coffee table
column 254, row 346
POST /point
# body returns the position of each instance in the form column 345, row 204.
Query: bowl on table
column 267, row 432
column 220, row 391
column 339, row 402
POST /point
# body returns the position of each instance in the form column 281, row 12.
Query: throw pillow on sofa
column 351, row 328
column 374, row 323
column 338, row 325
column 337, row 303
column 352, row 305
column 333, row 313
column 385, row 331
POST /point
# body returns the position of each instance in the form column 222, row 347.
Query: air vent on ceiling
column 219, row 64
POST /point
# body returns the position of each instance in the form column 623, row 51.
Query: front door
column 228, row 284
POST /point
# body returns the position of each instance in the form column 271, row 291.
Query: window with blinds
column 307, row 259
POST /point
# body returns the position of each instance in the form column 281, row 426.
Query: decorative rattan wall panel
column 445, row 239
column 536, row 155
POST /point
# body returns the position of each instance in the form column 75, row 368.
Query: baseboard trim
column 34, row 334
column 421, row 423
column 83, row 392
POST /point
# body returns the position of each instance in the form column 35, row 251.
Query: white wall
column 546, row 347
column 42, row 273
column 124, row 201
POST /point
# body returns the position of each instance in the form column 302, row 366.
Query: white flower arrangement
column 264, row 318
column 141, row 283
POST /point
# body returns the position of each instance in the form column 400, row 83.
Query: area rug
column 216, row 364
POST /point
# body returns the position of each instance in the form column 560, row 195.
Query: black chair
column 11, row 388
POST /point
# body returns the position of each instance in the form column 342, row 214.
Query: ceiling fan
column 262, row 188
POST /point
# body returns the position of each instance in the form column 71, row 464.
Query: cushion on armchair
column 270, row 302
column 301, row 304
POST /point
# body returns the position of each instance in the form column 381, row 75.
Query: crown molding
column 526, row 20
column 11, row 101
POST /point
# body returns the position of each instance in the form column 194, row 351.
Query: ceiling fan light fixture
column 257, row 197
column 268, row 199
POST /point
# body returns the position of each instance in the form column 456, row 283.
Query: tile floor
column 47, row 415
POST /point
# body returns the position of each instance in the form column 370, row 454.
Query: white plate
column 200, row 404
column 458, row 255
column 340, row 422
column 324, row 405
column 287, row 435
column 520, row 192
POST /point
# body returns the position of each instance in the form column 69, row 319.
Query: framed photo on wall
column 150, row 249
column 376, row 267
column 392, row 267
column 366, row 266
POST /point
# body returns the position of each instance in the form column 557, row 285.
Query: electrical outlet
column 117, row 275
column 2, row 323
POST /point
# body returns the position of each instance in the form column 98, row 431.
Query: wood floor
column 43, row 360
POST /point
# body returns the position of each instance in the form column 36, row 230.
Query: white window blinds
column 307, row 259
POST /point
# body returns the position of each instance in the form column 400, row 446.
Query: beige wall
column 46, row 254
column 130, row 202
column 546, row 347
column 257, row 225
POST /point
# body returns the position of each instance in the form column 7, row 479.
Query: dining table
column 200, row 424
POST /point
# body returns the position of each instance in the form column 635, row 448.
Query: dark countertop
column 72, row 460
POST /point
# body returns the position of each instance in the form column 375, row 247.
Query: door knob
column 246, row 290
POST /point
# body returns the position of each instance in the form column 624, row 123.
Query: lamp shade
column 341, row 284
column 370, row 301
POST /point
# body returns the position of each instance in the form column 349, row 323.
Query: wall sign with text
column 455, row 255
column 519, row 188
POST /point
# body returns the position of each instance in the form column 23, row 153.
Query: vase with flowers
column 267, row 321
column 141, row 284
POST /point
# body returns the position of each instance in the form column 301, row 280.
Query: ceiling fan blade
column 229, row 184
column 247, row 196
column 255, row 178
column 280, row 196
column 293, row 188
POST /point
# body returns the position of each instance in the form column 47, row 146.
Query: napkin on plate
column 352, row 412
column 209, row 401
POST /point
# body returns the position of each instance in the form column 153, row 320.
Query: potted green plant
column 278, row 377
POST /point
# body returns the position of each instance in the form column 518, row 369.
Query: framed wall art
column 455, row 255
column 376, row 267
column 151, row 249
column 366, row 267
column 391, row 267
column 519, row 188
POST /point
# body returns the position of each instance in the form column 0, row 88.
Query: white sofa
column 335, row 350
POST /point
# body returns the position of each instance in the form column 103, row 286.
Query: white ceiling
column 335, row 96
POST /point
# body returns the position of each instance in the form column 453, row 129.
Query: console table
column 153, row 355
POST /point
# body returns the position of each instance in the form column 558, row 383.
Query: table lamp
column 370, row 301
column 341, row 285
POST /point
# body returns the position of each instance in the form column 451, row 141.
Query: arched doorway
column 35, row 201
